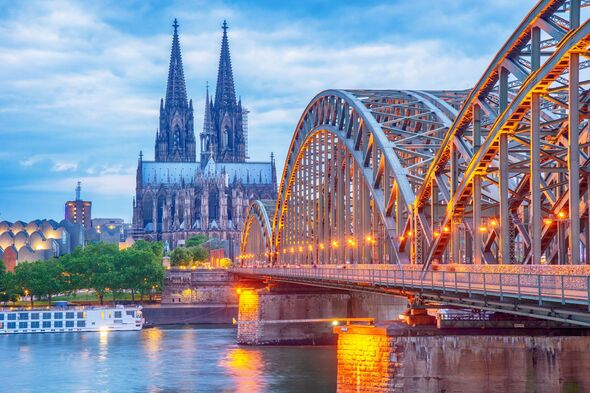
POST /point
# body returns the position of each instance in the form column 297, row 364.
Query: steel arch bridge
column 494, row 175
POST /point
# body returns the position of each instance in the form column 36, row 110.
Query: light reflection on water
column 160, row 361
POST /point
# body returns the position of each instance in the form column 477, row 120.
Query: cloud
column 81, row 81
column 64, row 166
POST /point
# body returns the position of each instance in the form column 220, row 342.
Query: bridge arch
column 352, row 169
column 256, row 241
column 490, row 175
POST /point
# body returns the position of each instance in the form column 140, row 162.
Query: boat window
column 35, row 315
column 12, row 317
column 12, row 325
column 118, row 314
column 58, row 324
column 1, row 317
column 58, row 315
column 130, row 313
column 23, row 316
column 81, row 323
column 69, row 315
column 23, row 325
column 80, row 314
column 69, row 323
column 35, row 325
column 46, row 315
column 46, row 324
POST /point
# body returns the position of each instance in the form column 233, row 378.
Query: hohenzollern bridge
column 477, row 198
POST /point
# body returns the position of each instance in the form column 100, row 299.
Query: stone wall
column 200, row 286
column 409, row 360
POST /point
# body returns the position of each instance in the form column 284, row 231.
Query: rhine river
column 160, row 360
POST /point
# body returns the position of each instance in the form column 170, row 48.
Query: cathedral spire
column 176, row 88
column 225, row 94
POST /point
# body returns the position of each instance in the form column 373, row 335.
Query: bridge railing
column 561, row 288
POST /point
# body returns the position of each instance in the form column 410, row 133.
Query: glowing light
column 322, row 246
column 402, row 238
column 310, row 248
column 292, row 250
column 409, row 233
column 561, row 214
column 547, row 221
column 300, row 249
column 436, row 234
column 494, row 223
column 335, row 323
column 351, row 242
column 446, row 229
column 483, row 228
column 335, row 244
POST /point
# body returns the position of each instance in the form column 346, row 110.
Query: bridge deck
column 560, row 297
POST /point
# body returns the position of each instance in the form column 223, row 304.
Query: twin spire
column 176, row 89
column 225, row 93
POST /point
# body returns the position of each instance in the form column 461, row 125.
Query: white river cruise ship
column 71, row 319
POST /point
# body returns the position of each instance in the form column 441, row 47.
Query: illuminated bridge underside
column 497, row 174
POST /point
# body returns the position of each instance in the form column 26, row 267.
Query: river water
column 160, row 360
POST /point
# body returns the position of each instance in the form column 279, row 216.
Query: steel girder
column 354, row 164
column 517, row 119
column 491, row 175
column 256, row 237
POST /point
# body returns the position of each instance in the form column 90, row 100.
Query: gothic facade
column 176, row 195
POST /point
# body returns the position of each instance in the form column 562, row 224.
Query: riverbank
column 189, row 314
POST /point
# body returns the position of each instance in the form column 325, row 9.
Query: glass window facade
column 118, row 314
column 34, row 315
column 12, row 317
column 35, row 325
column 46, row 324
column 23, row 316
column 81, row 323
column 1, row 317
column 80, row 315
column 12, row 325
column 23, row 325
column 58, row 315
column 69, row 324
column 70, row 315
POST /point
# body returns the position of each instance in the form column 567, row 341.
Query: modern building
column 178, row 196
column 37, row 240
column 79, row 211
column 106, row 230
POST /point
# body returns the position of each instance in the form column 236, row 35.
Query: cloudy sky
column 80, row 82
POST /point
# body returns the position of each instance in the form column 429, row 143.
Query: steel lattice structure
column 490, row 175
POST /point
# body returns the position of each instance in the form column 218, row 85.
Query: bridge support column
column 290, row 314
column 398, row 358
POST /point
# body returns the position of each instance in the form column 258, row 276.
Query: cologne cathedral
column 178, row 196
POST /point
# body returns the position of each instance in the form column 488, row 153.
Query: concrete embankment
column 161, row 315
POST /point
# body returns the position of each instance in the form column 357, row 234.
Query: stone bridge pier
column 395, row 357
column 282, row 313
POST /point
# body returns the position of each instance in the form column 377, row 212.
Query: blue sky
column 80, row 82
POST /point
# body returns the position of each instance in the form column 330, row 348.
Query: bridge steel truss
column 495, row 175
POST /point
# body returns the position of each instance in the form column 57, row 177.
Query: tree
column 49, row 277
column 199, row 253
column 181, row 256
column 196, row 240
column 225, row 263
column 94, row 268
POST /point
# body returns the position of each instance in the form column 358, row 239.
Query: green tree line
column 99, row 267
